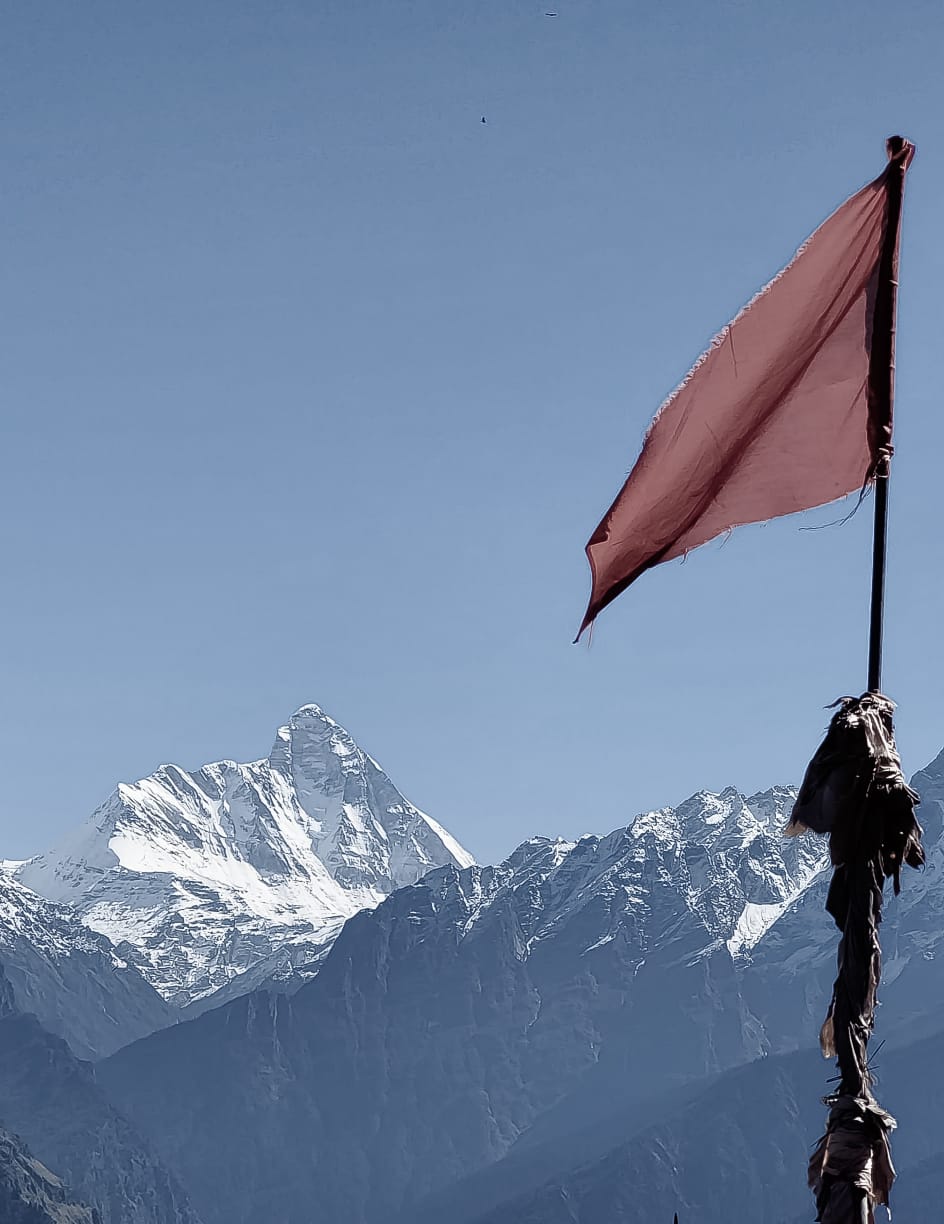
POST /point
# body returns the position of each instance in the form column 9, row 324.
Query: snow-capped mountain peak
column 356, row 818
column 201, row 877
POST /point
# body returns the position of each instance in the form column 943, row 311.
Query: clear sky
column 315, row 386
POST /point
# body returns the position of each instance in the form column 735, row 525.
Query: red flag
column 782, row 413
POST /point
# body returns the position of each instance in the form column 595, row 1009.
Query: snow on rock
column 677, row 883
column 71, row 978
column 478, row 1014
column 201, row 877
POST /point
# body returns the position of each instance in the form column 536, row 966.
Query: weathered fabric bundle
column 854, row 791
column 851, row 1169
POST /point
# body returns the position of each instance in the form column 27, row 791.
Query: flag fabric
column 780, row 414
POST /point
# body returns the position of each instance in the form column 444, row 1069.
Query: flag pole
column 881, row 399
column 872, row 827
column 879, row 549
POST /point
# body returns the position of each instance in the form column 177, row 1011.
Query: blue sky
column 316, row 385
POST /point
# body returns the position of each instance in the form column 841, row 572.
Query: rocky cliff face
column 451, row 1021
column 735, row 1151
column 30, row 1194
column 52, row 1099
column 199, row 878
column 71, row 978
column 792, row 969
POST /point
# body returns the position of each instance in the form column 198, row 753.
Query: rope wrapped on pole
column 854, row 791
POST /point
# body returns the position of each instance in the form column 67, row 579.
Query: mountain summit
column 243, row 869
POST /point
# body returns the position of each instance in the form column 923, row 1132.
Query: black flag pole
column 882, row 397
column 855, row 791
column 820, row 389
column 879, row 550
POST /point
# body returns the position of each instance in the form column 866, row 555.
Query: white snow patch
column 755, row 921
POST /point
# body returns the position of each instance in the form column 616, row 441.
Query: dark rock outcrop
column 30, row 1194
column 53, row 1100
column 72, row 979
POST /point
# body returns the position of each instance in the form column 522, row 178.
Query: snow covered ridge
column 71, row 978
column 198, row 878
column 51, row 929
column 676, row 885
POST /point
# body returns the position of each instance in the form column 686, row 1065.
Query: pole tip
column 899, row 149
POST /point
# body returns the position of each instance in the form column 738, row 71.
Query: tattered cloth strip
column 855, row 791
column 852, row 1169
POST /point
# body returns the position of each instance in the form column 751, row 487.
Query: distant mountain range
column 481, row 1013
column 611, row 1029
